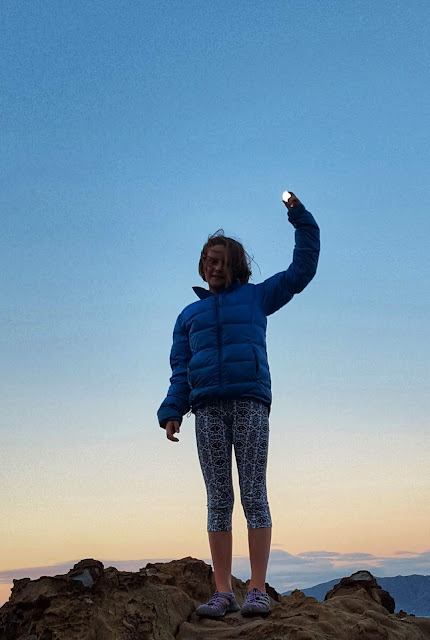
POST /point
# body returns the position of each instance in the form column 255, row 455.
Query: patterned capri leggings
column 244, row 424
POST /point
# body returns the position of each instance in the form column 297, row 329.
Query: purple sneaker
column 218, row 606
column 256, row 603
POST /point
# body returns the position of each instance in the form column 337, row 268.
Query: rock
column 363, row 581
column 87, row 571
column 159, row 601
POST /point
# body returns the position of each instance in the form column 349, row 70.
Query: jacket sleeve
column 176, row 403
column 276, row 291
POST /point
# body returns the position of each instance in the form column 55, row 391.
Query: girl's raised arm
column 276, row 291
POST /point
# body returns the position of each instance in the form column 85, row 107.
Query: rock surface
column 159, row 601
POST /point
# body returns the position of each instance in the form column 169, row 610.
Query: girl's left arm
column 276, row 291
column 176, row 403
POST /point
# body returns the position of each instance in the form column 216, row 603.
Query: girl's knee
column 219, row 520
column 257, row 513
column 259, row 520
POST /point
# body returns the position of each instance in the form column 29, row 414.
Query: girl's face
column 215, row 270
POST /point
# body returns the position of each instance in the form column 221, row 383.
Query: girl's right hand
column 172, row 427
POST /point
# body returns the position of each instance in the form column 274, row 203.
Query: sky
column 130, row 131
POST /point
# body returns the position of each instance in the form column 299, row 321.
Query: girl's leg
column 251, row 442
column 221, row 544
column 214, row 446
column 259, row 550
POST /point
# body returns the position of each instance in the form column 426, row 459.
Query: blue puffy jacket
column 219, row 341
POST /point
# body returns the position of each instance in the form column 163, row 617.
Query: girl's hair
column 238, row 261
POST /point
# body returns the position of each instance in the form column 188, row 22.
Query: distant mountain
column 411, row 593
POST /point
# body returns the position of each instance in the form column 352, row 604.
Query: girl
column 220, row 371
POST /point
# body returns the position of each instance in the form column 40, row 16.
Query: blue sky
column 131, row 131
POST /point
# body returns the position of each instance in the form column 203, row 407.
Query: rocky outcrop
column 159, row 601
column 364, row 585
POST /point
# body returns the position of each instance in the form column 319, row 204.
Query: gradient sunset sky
column 130, row 131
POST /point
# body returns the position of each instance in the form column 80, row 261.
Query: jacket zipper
column 219, row 339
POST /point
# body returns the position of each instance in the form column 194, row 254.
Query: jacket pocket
column 257, row 366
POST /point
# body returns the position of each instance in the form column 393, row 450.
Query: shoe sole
column 212, row 617
column 250, row 614
column 209, row 617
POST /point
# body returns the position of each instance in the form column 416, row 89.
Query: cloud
column 335, row 556
column 310, row 568
column 285, row 571
column 317, row 554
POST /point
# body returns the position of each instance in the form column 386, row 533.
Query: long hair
column 238, row 261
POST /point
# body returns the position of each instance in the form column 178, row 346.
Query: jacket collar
column 205, row 293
